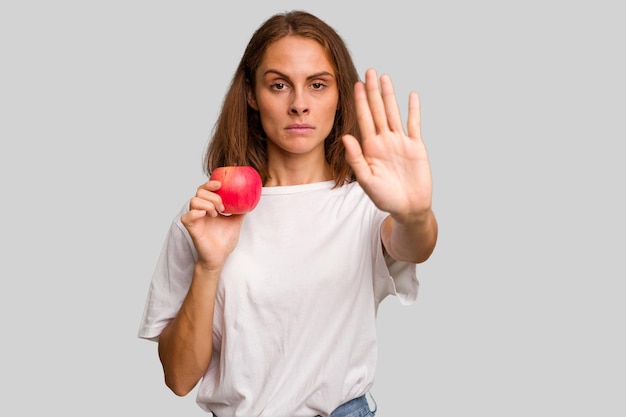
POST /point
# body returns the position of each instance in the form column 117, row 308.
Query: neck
column 296, row 171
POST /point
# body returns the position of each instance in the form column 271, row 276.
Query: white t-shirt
column 294, row 330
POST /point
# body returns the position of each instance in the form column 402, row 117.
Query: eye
column 278, row 86
column 318, row 86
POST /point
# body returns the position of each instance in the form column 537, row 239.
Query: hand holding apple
column 240, row 190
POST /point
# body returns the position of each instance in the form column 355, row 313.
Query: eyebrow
column 285, row 76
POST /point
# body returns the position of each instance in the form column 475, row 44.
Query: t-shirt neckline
column 299, row 188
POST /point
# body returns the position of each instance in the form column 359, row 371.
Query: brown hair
column 238, row 138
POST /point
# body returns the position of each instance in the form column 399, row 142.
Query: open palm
column 390, row 164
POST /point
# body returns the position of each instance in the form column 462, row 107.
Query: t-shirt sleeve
column 170, row 281
column 392, row 277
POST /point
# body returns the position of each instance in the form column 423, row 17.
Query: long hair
column 238, row 138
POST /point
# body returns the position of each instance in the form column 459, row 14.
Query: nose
column 298, row 104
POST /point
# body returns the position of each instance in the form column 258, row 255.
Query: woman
column 273, row 312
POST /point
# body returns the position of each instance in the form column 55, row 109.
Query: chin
column 300, row 146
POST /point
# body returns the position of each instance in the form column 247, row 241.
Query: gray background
column 105, row 111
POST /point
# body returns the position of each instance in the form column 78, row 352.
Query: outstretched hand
column 391, row 164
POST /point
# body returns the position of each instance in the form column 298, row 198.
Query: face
column 296, row 95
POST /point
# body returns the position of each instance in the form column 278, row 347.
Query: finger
column 392, row 111
column 211, row 185
column 363, row 113
column 414, row 122
column 188, row 219
column 206, row 201
column 355, row 158
column 375, row 100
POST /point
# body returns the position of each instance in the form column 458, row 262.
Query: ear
column 251, row 96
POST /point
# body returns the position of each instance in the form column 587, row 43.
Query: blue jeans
column 358, row 407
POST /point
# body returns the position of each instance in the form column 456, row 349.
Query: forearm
column 185, row 345
column 412, row 241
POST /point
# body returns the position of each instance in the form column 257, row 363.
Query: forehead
column 296, row 52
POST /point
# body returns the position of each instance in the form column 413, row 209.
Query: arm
column 410, row 242
column 186, row 344
column 393, row 168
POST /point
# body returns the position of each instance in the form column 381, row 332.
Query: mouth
column 299, row 128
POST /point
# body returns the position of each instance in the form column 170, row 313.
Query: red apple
column 240, row 190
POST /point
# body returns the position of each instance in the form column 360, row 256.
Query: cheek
column 270, row 120
column 269, row 117
column 270, row 109
column 331, row 112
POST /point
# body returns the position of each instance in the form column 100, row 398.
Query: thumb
column 354, row 157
